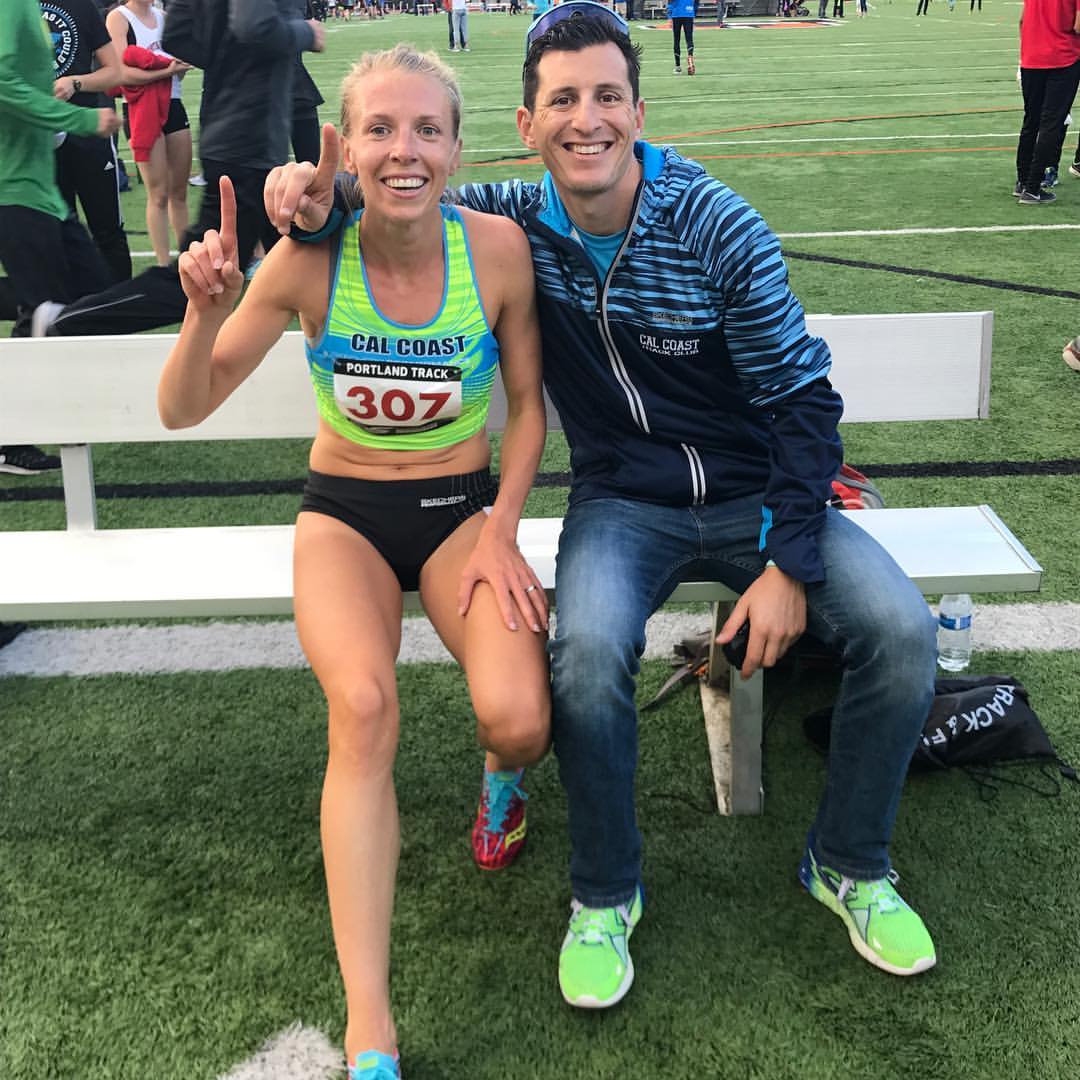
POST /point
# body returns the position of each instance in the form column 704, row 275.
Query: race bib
column 384, row 397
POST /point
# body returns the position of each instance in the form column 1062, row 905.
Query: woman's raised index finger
column 228, row 216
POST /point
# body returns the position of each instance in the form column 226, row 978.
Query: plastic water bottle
column 954, row 632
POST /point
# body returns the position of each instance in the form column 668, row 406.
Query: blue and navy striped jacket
column 687, row 375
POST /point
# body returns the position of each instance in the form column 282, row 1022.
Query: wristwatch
column 76, row 85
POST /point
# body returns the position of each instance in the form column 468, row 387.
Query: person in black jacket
column 245, row 121
column 306, row 100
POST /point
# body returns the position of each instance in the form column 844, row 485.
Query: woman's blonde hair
column 401, row 58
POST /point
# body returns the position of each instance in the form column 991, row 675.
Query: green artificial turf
column 164, row 909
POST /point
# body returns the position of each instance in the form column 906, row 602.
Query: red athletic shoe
column 690, row 69
column 499, row 833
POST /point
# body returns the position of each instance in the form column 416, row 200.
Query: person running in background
column 681, row 13
column 45, row 251
column 87, row 168
column 409, row 313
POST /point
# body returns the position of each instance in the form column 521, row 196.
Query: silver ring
column 530, row 588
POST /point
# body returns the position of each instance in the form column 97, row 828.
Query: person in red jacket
column 166, row 169
column 148, row 103
column 1049, row 75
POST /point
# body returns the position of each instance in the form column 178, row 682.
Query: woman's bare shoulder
column 492, row 232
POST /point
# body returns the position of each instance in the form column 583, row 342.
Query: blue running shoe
column 371, row 1065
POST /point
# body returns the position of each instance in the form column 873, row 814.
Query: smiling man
column 703, row 437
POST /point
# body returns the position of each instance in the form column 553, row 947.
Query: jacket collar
column 552, row 212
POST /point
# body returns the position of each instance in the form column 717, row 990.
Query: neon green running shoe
column 883, row 929
column 595, row 969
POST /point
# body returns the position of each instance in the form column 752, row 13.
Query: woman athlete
column 407, row 312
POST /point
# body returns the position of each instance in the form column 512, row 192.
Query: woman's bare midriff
column 334, row 455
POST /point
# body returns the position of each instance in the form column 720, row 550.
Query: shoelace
column 880, row 893
column 596, row 924
column 497, row 796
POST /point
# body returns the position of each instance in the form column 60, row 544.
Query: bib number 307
column 393, row 396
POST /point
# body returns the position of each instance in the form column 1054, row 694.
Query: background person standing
column 459, row 25
column 86, row 65
column 1049, row 74
column 167, row 166
column 46, row 252
column 681, row 13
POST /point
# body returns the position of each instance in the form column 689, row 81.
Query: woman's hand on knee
column 497, row 561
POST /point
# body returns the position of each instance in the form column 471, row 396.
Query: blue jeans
column 618, row 560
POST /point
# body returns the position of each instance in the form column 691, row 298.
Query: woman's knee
column 363, row 728
column 516, row 729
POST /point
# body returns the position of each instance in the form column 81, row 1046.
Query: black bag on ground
column 974, row 720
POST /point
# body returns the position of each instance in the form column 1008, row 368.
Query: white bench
column 79, row 391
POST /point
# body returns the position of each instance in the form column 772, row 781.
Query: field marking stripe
column 180, row 648
column 927, row 231
column 295, row 1053
column 838, row 120
column 914, row 271
column 863, row 232
column 1011, row 148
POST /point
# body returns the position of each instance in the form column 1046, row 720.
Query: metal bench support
column 733, row 728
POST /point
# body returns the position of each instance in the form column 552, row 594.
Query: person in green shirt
column 48, row 255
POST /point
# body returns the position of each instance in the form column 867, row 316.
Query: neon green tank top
column 395, row 387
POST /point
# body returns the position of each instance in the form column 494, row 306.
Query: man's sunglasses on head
column 581, row 9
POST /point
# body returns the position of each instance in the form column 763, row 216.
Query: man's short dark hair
column 573, row 35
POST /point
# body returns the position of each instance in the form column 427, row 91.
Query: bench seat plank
column 247, row 570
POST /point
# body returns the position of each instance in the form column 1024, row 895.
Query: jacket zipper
column 618, row 367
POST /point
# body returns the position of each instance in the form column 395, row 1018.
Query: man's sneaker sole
column 1074, row 170
column 825, row 896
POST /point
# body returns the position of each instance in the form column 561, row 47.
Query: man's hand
column 302, row 192
column 320, row 35
column 776, row 607
column 210, row 268
column 497, row 560
column 108, row 122
column 64, row 88
column 178, row 67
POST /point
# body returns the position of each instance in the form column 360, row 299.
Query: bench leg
column 733, row 728
column 79, row 496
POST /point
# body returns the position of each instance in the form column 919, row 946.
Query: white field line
column 865, row 232
column 132, row 650
column 297, row 1053
column 781, row 141
column 945, row 230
